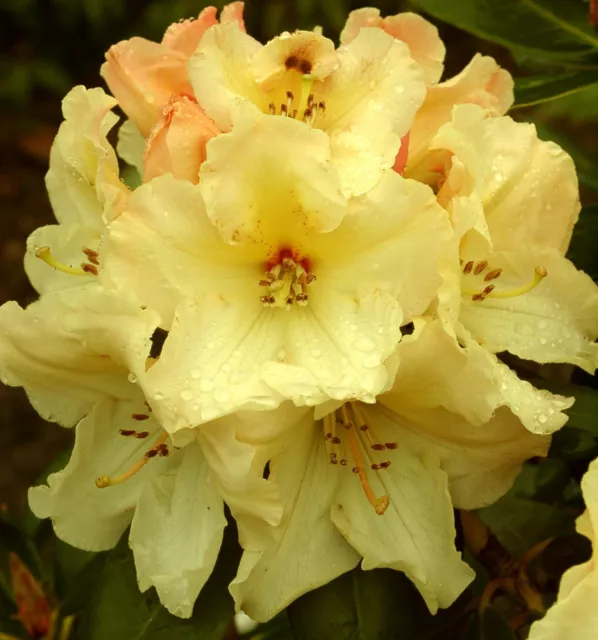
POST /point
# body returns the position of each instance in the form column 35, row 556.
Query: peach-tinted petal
column 185, row 36
column 482, row 82
column 233, row 12
column 418, row 34
column 143, row 76
column 177, row 144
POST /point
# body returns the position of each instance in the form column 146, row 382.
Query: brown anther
column 307, row 114
column 375, row 467
column 289, row 301
column 92, row 255
column 141, row 434
column 267, row 299
column 294, row 114
column 343, row 462
column 333, row 459
column 480, row 266
column 309, row 278
column 127, row 432
column 322, row 106
column 355, row 469
column 140, row 416
column 363, row 427
column 90, row 268
column 478, row 297
column 264, row 283
column 335, row 440
column 302, row 297
column 283, row 109
column 391, row 445
column 163, row 450
column 385, row 464
column 272, row 108
column 378, row 447
column 489, row 289
column 328, row 436
column 290, row 96
column 152, row 453
column 310, row 100
column 468, row 267
column 492, row 275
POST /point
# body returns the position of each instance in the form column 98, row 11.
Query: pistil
column 490, row 290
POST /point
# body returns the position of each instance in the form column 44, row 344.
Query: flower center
column 286, row 283
column 89, row 268
column 301, row 104
column 482, row 271
column 348, row 437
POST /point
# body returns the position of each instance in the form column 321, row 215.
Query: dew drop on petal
column 186, row 394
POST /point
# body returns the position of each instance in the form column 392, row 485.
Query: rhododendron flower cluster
column 297, row 314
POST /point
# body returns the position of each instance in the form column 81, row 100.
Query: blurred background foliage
column 519, row 546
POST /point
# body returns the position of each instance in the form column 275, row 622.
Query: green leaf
column 361, row 605
column 520, row 523
column 583, row 252
column 538, row 89
column 117, row 610
column 554, row 29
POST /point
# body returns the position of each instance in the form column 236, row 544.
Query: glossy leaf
column 583, row 251
column 538, row 89
column 361, row 605
column 554, row 29
column 117, row 610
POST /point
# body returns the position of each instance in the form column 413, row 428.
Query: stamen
column 306, row 83
column 45, row 254
column 380, row 504
column 492, row 275
column 491, row 292
column 159, row 448
column 92, row 256
column 140, row 416
column 468, row 267
column 286, row 283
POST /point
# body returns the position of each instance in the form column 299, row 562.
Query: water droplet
column 542, row 340
column 371, row 361
column 364, row 343
column 316, row 353
column 158, row 396
column 353, row 327
column 206, row 384
column 186, row 394
column 542, row 418
column 221, row 395
column 196, row 373
column 542, row 324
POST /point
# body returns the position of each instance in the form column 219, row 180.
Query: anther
column 272, row 108
column 92, row 256
column 391, row 445
column 127, row 432
column 468, row 267
column 377, row 447
column 140, row 416
column 90, row 268
column 480, row 267
column 45, row 254
column 492, row 275
column 491, row 292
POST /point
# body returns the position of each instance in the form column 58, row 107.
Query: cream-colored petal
column 211, row 362
column 165, row 249
column 371, row 100
column 470, row 381
column 481, row 461
column 574, row 617
column 270, row 182
column 528, row 188
column 301, row 52
column 421, row 36
column 416, row 533
column 131, row 145
column 574, row 613
column 176, row 531
column 221, row 75
column 69, row 351
column 82, row 181
column 482, row 82
column 555, row 322
column 84, row 515
column 67, row 243
column 305, row 550
column 392, row 237
column 336, row 347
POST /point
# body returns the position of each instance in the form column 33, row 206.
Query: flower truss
column 327, row 251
